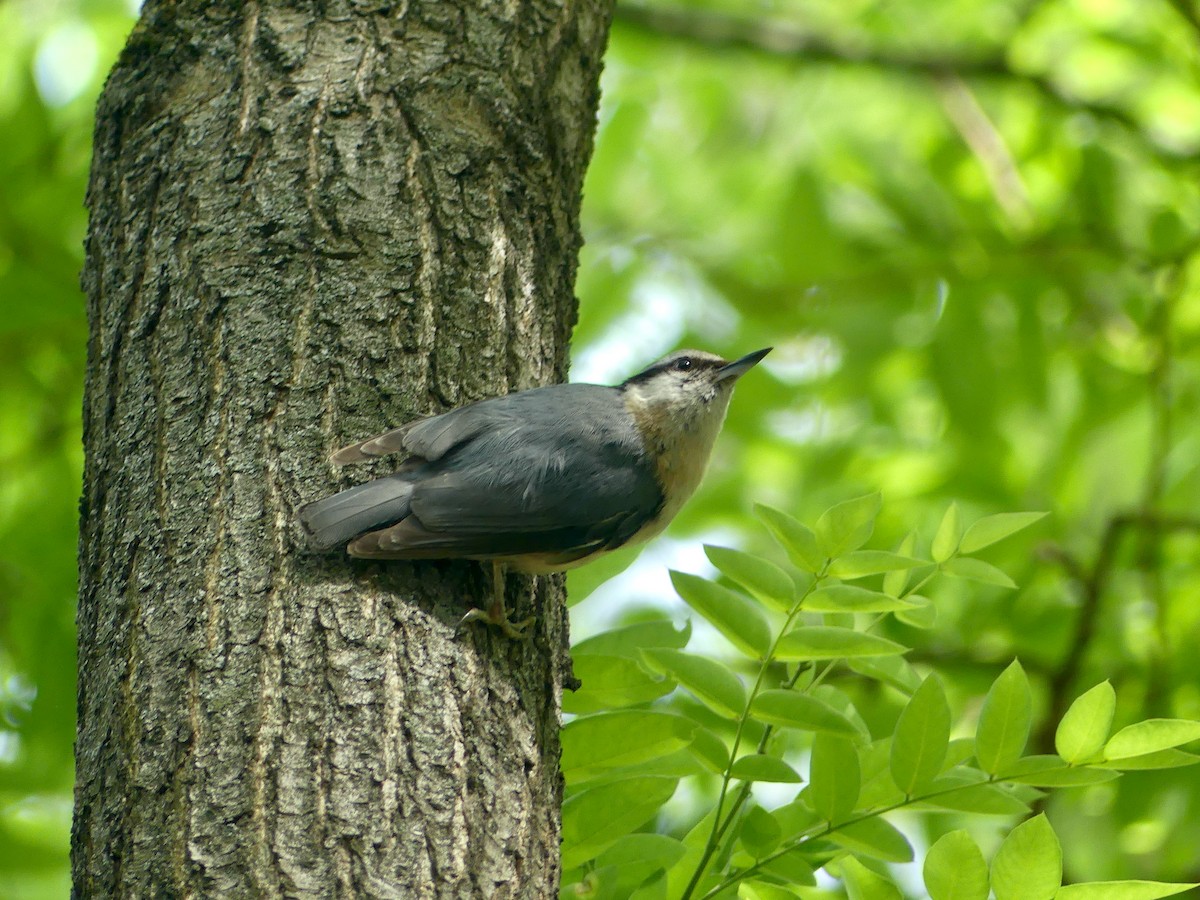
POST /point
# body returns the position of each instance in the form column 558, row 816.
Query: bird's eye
column 683, row 364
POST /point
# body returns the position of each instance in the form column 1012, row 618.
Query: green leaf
column 594, row 819
column 629, row 641
column 733, row 615
column 922, row 614
column 847, row 598
column 762, row 890
column 848, row 525
column 794, row 536
column 977, row 570
column 984, row 799
column 1028, row 865
column 1085, row 727
column 991, row 529
column 638, row 856
column 792, row 867
column 713, row 684
column 1122, row 890
column 1060, row 775
column 1004, row 721
column 760, row 767
column 945, row 541
column 792, row 710
column 759, row 576
column 893, row 670
column 1150, row 736
column 592, row 744
column 861, row 563
column 834, row 777
column 827, row 642
column 1160, row 759
column 955, row 869
column 760, row 833
column 895, row 581
column 921, row 738
column 866, row 884
column 875, row 837
column 710, row 750
column 610, row 682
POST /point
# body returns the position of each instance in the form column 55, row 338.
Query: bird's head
column 687, row 389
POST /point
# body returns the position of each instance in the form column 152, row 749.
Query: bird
column 536, row 481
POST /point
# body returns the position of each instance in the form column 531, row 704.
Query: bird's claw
column 516, row 631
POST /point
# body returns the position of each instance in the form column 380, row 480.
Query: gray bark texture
column 311, row 221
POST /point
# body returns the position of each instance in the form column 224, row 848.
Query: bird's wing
column 558, row 471
column 432, row 437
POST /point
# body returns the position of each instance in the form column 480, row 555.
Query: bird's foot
column 498, row 618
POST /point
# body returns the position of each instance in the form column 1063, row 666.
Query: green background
column 967, row 227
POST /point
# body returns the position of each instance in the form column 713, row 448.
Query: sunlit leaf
column 874, row 837
column 826, row 642
column 637, row 856
column 629, row 640
column 921, row 737
column 713, row 684
column 895, row 581
column 892, row 670
column 955, row 869
column 790, row 709
column 945, row 540
column 594, row 819
column 760, row 767
column 733, row 615
column 1151, row 736
column 977, row 570
column 1084, row 729
column 1028, row 865
column 760, row 833
column 795, row 537
column 1160, row 759
column 1122, row 890
column 866, row 884
column 834, row 777
column 763, row 890
column 922, row 614
column 591, row 744
column 848, row 598
column 610, row 682
column 848, row 525
column 759, row 576
column 861, row 563
column 990, row 529
column 1004, row 721
column 710, row 750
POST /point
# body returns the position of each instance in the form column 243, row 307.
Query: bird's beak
column 739, row 367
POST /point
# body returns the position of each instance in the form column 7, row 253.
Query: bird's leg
column 497, row 614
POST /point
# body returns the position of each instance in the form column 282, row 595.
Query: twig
column 1092, row 583
column 720, row 32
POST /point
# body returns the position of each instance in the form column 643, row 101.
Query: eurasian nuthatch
column 540, row 480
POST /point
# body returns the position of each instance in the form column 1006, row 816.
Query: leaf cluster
column 654, row 714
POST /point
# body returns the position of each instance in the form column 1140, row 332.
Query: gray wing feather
column 553, row 470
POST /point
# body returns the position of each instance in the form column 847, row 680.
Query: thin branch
column 721, row 32
column 981, row 135
column 1093, row 580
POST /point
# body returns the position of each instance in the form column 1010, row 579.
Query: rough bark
column 311, row 221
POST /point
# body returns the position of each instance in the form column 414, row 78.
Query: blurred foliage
column 968, row 228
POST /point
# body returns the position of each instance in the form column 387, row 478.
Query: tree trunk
column 311, row 221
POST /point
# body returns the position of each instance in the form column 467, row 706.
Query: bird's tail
column 364, row 507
